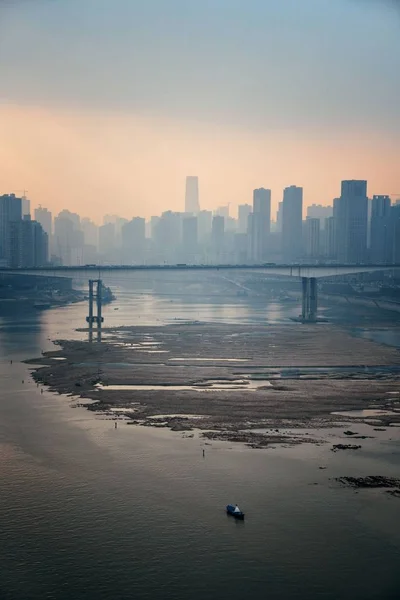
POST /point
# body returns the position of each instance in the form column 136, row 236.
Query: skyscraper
column 312, row 237
column 189, row 239
column 243, row 214
column 44, row 217
column 26, row 206
column 29, row 244
column 10, row 212
column 259, row 225
column 133, row 240
column 317, row 211
column 381, row 230
column 204, row 220
column 68, row 238
column 292, row 222
column 351, row 222
column 329, row 238
column 192, row 204
column 217, row 237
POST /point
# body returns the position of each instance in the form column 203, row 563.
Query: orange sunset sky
column 100, row 114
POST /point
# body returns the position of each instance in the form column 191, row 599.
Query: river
column 90, row 512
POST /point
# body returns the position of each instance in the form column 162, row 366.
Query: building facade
column 311, row 230
column 292, row 223
column 192, row 204
column 381, row 237
column 259, row 226
column 351, row 222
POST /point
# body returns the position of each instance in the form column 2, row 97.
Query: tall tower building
column 312, row 237
column 26, row 206
column 133, row 235
column 260, row 225
column 329, row 238
column 351, row 222
column 243, row 214
column 292, row 223
column 381, row 230
column 217, row 237
column 10, row 212
column 192, row 204
column 44, row 217
column 189, row 239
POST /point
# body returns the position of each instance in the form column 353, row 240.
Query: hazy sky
column 106, row 105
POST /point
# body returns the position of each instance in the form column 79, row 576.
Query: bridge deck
column 291, row 270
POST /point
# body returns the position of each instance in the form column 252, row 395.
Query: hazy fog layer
column 110, row 104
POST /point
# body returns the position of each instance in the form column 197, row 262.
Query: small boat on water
column 234, row 511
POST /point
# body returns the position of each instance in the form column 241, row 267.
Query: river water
column 90, row 512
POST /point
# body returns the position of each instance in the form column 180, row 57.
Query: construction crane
column 24, row 192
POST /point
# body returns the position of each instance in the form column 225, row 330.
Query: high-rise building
column 292, row 223
column 68, row 238
column 204, row 221
column 29, row 244
column 259, row 225
column 312, row 237
column 243, row 213
column 10, row 212
column 192, row 204
column 318, row 211
column 222, row 211
column 381, row 238
column 44, row 217
column 107, row 241
column 134, row 240
column 26, row 206
column 329, row 238
column 279, row 218
column 169, row 235
column 217, row 237
column 189, row 239
column 351, row 222
column 395, row 226
column 90, row 233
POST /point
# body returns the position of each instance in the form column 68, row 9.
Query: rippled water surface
column 90, row 512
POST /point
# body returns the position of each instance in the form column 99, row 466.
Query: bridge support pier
column 91, row 318
column 309, row 300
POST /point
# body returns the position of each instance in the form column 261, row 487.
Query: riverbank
column 231, row 382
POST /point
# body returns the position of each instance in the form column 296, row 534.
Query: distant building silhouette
column 351, row 222
column 29, row 244
column 192, row 204
column 318, row 211
column 133, row 235
column 311, row 232
column 10, row 212
column 243, row 214
column 217, row 237
column 68, row 238
column 45, row 218
column 292, row 223
column 189, row 239
column 26, row 207
column 259, row 225
column 381, row 239
column 204, row 221
column 329, row 238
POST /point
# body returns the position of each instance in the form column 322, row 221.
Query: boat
column 234, row 511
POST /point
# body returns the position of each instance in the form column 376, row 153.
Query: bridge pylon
column 309, row 300
column 95, row 297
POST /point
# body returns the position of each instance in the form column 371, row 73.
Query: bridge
column 308, row 273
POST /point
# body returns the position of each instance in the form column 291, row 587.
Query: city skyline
column 350, row 231
column 130, row 108
column 233, row 208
